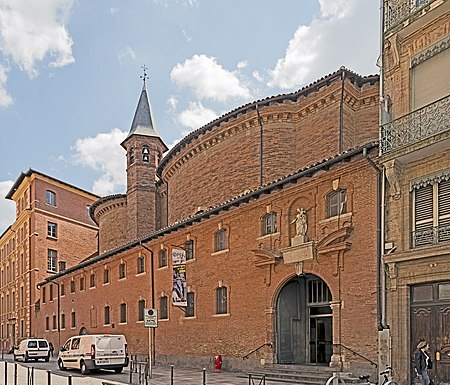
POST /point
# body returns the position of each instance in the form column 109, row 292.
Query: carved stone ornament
column 393, row 174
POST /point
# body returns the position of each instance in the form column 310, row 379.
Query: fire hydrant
column 218, row 363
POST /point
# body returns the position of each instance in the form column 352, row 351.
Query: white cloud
column 172, row 102
column 186, row 36
column 242, row 64
column 257, row 76
column 127, row 52
column 103, row 153
column 5, row 99
column 196, row 115
column 7, row 207
column 208, row 79
column 330, row 41
column 30, row 31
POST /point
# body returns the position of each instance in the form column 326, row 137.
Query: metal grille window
column 122, row 270
column 52, row 257
column 431, row 215
column 221, row 300
column 189, row 249
column 190, row 312
column 336, row 203
column 163, row 308
column 123, row 313
column 141, row 309
column 318, row 292
column 141, row 264
column 269, row 224
column 107, row 320
column 51, row 230
column 162, row 258
column 220, row 240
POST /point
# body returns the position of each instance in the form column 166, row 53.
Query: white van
column 94, row 351
column 32, row 348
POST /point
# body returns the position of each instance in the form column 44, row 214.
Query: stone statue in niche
column 301, row 222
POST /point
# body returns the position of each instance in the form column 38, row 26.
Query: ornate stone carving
column 393, row 173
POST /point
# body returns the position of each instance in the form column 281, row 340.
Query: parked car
column 32, row 348
column 95, row 351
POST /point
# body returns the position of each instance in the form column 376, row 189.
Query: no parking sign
column 150, row 318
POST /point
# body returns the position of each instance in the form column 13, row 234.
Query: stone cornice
column 430, row 51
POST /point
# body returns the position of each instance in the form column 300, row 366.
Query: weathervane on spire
column 143, row 77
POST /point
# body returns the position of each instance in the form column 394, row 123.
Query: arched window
column 141, row 309
column 220, row 240
column 162, row 258
column 190, row 308
column 92, row 280
column 163, row 308
column 122, row 270
column 269, row 224
column 336, row 203
column 145, row 154
column 221, row 300
column 141, row 264
column 106, row 275
column 123, row 313
column 107, row 319
column 50, row 198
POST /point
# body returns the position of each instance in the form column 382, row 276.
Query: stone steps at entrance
column 298, row 374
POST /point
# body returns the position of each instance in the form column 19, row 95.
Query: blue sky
column 70, row 72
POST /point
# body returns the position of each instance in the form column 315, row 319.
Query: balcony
column 401, row 11
column 431, row 236
column 403, row 135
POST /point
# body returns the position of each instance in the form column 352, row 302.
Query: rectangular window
column 62, row 290
column 190, row 304
column 107, row 315
column 269, row 225
column 44, row 299
column 337, row 203
column 81, row 283
column 220, row 240
column 122, row 270
column 162, row 258
column 163, row 308
column 141, row 308
column 106, row 276
column 123, row 313
column 51, row 292
column 221, row 300
column 141, row 264
column 52, row 258
column 74, row 320
column 50, row 198
column 51, row 230
column 92, row 280
column 54, row 327
column 72, row 286
column 47, row 323
column 189, row 249
column 63, row 321
column 431, row 217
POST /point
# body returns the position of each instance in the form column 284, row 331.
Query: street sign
column 150, row 318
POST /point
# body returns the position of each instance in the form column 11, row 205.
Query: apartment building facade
column 415, row 153
column 52, row 231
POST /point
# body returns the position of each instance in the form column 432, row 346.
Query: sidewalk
column 161, row 375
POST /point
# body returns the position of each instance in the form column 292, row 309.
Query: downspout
column 378, row 239
column 341, row 112
column 152, row 275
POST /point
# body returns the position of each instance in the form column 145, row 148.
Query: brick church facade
column 274, row 206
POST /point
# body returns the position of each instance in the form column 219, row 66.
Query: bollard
column 131, row 373
column 204, row 376
column 69, row 380
column 171, row 374
column 49, row 377
column 15, row 374
column 6, row 372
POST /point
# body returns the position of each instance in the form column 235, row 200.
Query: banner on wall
column 179, row 277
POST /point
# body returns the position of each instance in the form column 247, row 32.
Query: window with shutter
column 431, row 223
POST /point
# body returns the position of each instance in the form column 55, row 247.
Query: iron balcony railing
column 431, row 236
column 397, row 11
column 416, row 126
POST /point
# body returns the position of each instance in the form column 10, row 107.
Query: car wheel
column 61, row 365
column 83, row 368
column 118, row 370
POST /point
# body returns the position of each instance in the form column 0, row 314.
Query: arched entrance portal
column 304, row 322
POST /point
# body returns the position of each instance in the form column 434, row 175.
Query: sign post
column 150, row 321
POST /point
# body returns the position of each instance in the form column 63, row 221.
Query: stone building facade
column 280, row 241
column 415, row 153
column 52, row 231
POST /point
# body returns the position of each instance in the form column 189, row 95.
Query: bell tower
column 144, row 149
